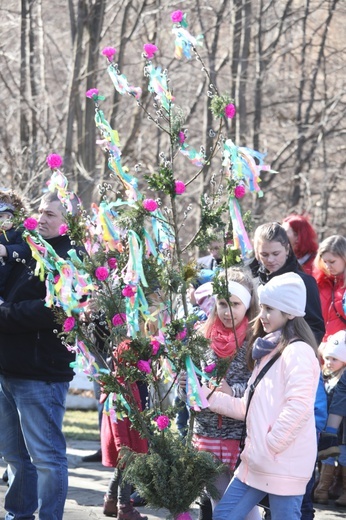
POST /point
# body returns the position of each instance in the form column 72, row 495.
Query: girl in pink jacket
column 280, row 445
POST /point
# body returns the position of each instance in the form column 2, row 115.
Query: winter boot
column 324, row 483
column 341, row 501
column 128, row 512
column 335, row 489
column 110, row 506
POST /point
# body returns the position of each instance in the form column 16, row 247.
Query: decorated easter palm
column 133, row 276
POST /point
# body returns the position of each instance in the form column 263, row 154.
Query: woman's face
column 224, row 313
column 272, row 255
column 334, row 264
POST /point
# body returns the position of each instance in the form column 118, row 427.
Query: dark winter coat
column 29, row 349
column 17, row 249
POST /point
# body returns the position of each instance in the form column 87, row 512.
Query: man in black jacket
column 34, row 378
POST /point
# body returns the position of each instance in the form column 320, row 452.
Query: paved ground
column 88, row 483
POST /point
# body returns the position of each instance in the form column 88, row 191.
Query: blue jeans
column 34, row 447
column 240, row 498
column 307, row 509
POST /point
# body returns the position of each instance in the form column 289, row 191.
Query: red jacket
column 115, row 435
column 332, row 314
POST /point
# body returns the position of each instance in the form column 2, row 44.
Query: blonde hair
column 336, row 245
column 243, row 277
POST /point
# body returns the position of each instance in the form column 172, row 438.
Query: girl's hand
column 225, row 388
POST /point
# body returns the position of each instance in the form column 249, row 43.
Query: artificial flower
column 230, row 111
column 184, row 516
column 129, row 291
column 144, row 366
column 177, row 16
column 54, row 161
column 30, row 223
column 101, row 273
column 209, row 368
column 181, row 335
column 239, row 191
column 150, row 49
column 69, row 324
column 63, row 229
column 56, row 278
column 109, row 52
column 92, row 92
column 155, row 346
column 162, row 422
column 150, row 204
column 118, row 319
column 179, row 187
column 112, row 263
column 181, row 137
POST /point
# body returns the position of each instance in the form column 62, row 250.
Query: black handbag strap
column 250, row 395
column 258, row 379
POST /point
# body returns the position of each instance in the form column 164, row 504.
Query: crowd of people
column 277, row 414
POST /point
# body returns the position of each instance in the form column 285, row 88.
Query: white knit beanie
column 286, row 292
column 336, row 346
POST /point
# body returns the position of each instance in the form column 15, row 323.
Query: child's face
column 224, row 313
column 333, row 364
column 272, row 319
column 6, row 220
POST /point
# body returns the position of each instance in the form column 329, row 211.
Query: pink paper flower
column 101, row 273
column 30, row 223
column 210, row 368
column 129, row 291
column 179, row 187
column 150, row 49
column 181, row 137
column 144, row 366
column 92, row 92
column 112, row 263
column 109, row 52
column 184, row 516
column 69, row 324
column 162, row 422
column 56, row 278
column 239, row 191
column 181, row 335
column 63, row 229
column 230, row 111
column 54, row 161
column 150, row 204
column 155, row 346
column 118, row 319
column 177, row 16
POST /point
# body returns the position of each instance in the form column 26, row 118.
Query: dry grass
column 81, row 425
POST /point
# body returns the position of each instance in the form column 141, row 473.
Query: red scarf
column 223, row 340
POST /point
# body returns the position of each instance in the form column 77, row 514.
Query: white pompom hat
column 336, row 346
column 286, row 292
